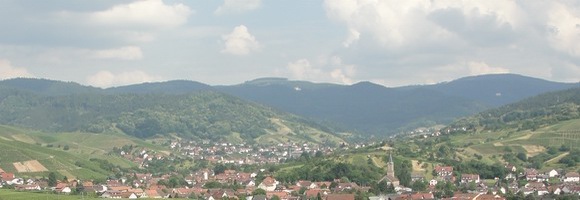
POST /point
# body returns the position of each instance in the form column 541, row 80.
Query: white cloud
column 397, row 24
column 145, row 13
column 240, row 41
column 237, row 6
column 303, row 70
column 8, row 71
column 479, row 68
column 329, row 69
column 564, row 29
column 107, row 79
column 353, row 36
column 123, row 53
column 58, row 55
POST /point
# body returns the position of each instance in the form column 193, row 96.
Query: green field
column 15, row 195
column 20, row 145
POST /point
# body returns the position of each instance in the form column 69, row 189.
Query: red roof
column 340, row 197
column 444, row 169
column 7, row 176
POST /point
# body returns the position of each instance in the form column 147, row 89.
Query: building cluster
column 239, row 154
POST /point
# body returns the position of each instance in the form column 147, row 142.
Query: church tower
column 390, row 167
column 390, row 177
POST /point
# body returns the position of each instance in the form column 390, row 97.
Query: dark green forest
column 204, row 114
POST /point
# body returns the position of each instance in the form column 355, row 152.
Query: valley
column 203, row 144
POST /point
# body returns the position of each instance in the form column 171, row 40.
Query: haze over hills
column 364, row 107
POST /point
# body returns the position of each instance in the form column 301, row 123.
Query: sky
column 109, row 43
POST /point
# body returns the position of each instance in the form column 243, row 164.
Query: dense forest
column 204, row 114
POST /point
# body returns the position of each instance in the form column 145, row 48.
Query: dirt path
column 557, row 157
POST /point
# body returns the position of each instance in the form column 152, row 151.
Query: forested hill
column 363, row 107
column 529, row 114
column 376, row 109
column 201, row 115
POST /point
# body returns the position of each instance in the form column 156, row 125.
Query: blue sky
column 390, row 42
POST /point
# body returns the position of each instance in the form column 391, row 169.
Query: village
column 257, row 183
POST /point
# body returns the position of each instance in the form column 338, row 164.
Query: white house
column 553, row 173
column 269, row 184
column 572, row 177
column 433, row 182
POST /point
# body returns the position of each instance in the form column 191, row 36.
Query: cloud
column 398, row 24
column 237, row 6
column 123, row 53
column 328, row 69
column 57, row 55
column 107, row 79
column 353, row 36
column 564, row 29
column 240, row 42
column 479, row 68
column 8, row 71
column 302, row 69
column 415, row 41
column 146, row 13
column 569, row 72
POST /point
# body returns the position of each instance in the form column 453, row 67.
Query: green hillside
column 200, row 115
column 540, row 132
column 529, row 114
column 68, row 154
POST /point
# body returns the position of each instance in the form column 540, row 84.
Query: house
column 417, row 177
column 571, row 177
column 152, row 194
column 531, row 174
column 417, row 196
column 313, row 193
column 489, row 197
column 511, row 168
column 268, row 184
column 306, row 184
column 433, row 182
column 258, row 197
column 281, row 195
column 553, row 173
column 323, row 184
column 340, row 197
column 28, row 187
column 112, row 194
column 444, row 171
column 468, row 178
column 129, row 195
column 542, row 191
column 7, row 177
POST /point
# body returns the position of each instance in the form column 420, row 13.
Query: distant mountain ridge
column 363, row 107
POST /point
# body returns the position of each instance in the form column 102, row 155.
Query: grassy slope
column 489, row 143
column 291, row 131
column 18, row 145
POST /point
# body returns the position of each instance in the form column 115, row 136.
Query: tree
column 419, row 185
column 275, row 197
column 51, row 179
column 522, row 156
column 66, row 147
column 259, row 191
column 219, row 168
column 318, row 154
